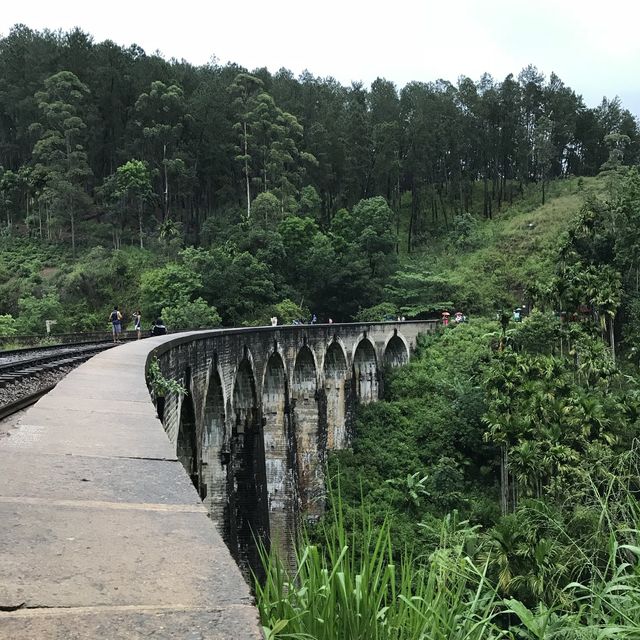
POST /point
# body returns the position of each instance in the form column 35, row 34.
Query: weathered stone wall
column 264, row 405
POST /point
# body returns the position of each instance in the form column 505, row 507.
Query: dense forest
column 493, row 493
column 251, row 193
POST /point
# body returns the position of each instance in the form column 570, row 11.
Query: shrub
column 196, row 314
column 7, row 326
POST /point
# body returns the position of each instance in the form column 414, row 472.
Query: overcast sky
column 593, row 46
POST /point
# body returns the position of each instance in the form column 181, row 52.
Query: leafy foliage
column 160, row 385
column 527, row 441
column 7, row 325
column 191, row 314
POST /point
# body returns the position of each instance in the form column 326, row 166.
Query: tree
column 385, row 117
column 357, row 146
column 544, row 150
column 287, row 311
column 266, row 208
column 309, row 203
column 269, row 139
column 10, row 192
column 247, row 288
column 162, row 113
column 34, row 311
column 166, row 287
column 60, row 159
column 132, row 187
column 616, row 144
column 370, row 229
column 244, row 90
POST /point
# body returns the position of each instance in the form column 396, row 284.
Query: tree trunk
column 504, row 480
column 166, row 182
column 73, row 232
column 612, row 342
column 246, row 170
column 486, row 197
column 140, row 224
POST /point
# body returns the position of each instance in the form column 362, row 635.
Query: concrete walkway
column 102, row 534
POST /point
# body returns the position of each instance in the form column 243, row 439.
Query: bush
column 7, row 326
column 377, row 313
column 287, row 311
column 464, row 226
column 196, row 314
column 34, row 312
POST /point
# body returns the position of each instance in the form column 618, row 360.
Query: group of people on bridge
column 116, row 318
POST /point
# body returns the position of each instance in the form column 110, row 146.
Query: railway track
column 51, row 348
column 7, row 410
column 64, row 338
column 28, row 365
column 27, row 374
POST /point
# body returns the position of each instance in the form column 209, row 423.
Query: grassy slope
column 501, row 257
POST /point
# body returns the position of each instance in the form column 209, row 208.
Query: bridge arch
column 335, row 374
column 187, row 450
column 305, row 419
column 279, row 452
column 214, row 458
column 274, row 379
column 365, row 371
column 246, row 515
column 396, row 350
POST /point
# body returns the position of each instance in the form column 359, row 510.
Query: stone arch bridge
column 262, row 409
column 101, row 530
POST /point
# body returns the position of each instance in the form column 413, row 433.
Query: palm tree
column 525, row 464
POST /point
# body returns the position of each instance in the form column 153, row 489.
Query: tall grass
column 350, row 586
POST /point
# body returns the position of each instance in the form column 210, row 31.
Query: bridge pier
column 214, row 457
column 280, row 456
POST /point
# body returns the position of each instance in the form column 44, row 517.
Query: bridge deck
column 101, row 532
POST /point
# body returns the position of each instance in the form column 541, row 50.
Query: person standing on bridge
column 138, row 323
column 115, row 317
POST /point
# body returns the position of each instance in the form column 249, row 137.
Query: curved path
column 102, row 535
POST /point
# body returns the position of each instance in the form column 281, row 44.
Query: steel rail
column 50, row 358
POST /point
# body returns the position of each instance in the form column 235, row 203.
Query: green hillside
column 481, row 265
